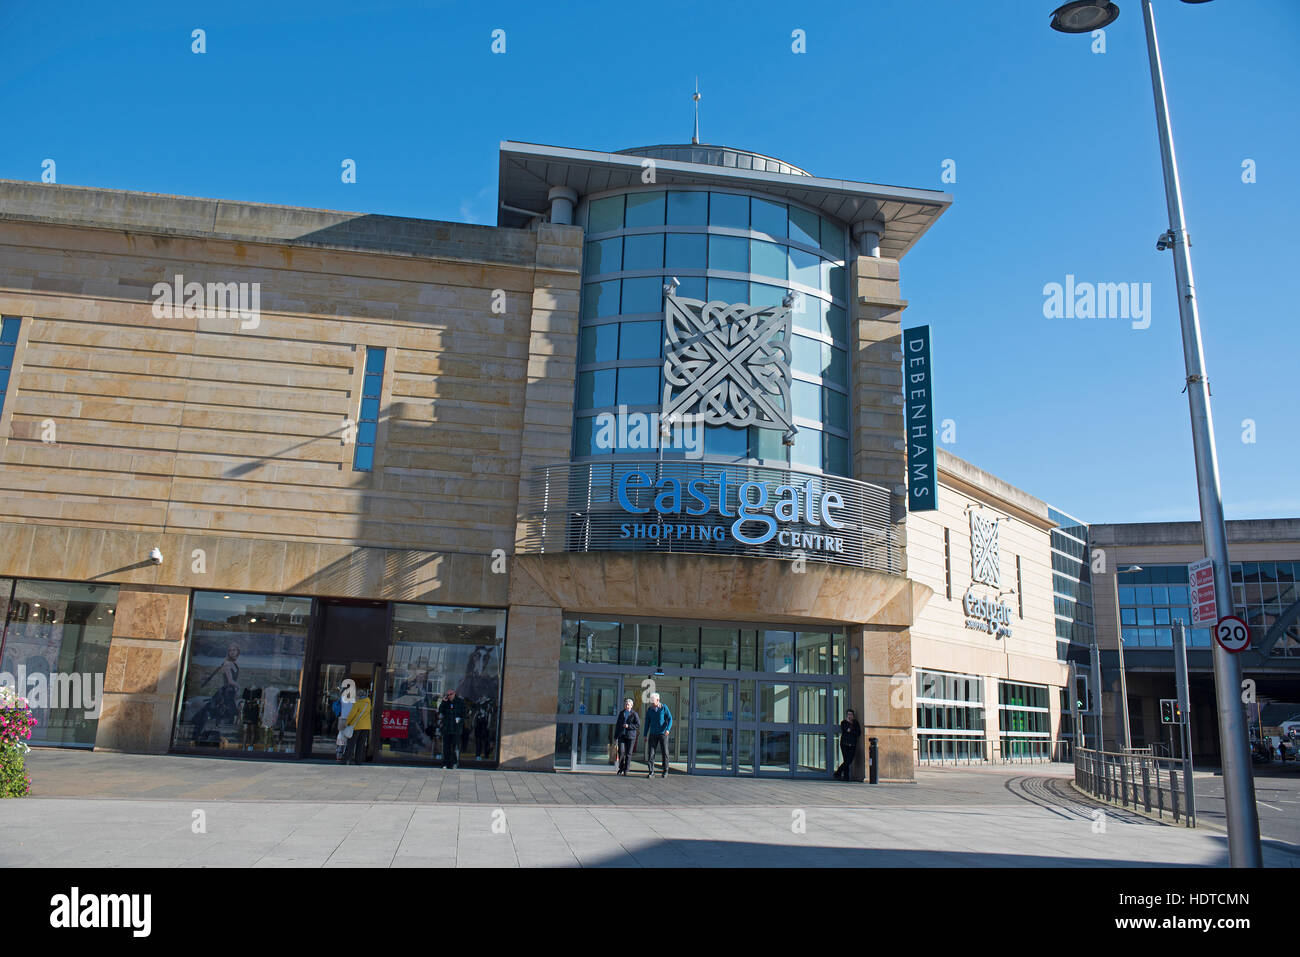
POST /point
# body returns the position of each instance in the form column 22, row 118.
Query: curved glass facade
column 727, row 245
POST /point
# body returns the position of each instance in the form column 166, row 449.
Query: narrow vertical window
column 1020, row 591
column 8, row 343
column 947, row 565
column 363, row 458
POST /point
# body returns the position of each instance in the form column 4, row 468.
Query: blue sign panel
column 918, row 387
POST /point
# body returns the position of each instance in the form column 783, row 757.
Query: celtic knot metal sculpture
column 985, row 565
column 727, row 362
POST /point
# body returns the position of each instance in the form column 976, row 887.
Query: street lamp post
column 1085, row 16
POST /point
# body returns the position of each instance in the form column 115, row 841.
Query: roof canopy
column 529, row 171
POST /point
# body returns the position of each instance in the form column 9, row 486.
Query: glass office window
column 729, row 209
column 645, row 209
column 805, row 227
column 9, row 327
column 598, row 642
column 600, row 299
column 835, row 454
column 805, row 268
column 640, row 340
column 363, row 455
column 720, row 649
column 604, row 215
column 805, row 398
column 595, row 389
column 643, row 252
column 814, row 653
column 435, row 649
column 728, row 290
column 640, row 645
column 809, row 312
column 835, row 408
column 766, row 217
column 688, row 208
column 599, row 343
column 679, row 646
column 686, row 251
column 806, row 356
column 639, row 386
column 643, row 295
column 777, row 651
column 604, row 255
column 762, row 294
column 729, row 253
column 768, row 259
column 724, row 440
column 243, row 672
column 807, row 449
column 768, row 445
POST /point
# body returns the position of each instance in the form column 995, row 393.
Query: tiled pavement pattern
column 111, row 810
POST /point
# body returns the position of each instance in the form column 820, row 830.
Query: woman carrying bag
column 625, row 732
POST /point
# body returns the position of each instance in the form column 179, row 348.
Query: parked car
column 1291, row 726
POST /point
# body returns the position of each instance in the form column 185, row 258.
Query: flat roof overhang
column 530, row 170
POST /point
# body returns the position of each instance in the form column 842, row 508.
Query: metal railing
column 1139, row 781
column 574, row 507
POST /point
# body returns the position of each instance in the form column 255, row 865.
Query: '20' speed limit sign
column 1231, row 632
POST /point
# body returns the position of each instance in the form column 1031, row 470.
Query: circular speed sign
column 1231, row 632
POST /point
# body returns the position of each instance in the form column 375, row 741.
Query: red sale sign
column 395, row 724
column 1205, row 610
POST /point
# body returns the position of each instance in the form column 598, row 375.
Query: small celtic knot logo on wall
column 728, row 362
column 984, row 564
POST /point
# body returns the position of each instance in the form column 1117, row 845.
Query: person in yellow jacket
column 359, row 721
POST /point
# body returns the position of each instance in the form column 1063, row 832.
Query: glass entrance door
column 794, row 728
column 597, row 702
column 328, row 693
column 713, row 726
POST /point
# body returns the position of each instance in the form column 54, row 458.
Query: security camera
column 1166, row 240
column 155, row 556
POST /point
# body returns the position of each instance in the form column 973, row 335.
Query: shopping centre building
column 645, row 434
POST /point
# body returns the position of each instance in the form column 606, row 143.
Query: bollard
column 873, row 760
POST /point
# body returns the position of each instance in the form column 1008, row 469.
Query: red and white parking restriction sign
column 1232, row 633
column 1205, row 610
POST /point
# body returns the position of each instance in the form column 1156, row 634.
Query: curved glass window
column 723, row 245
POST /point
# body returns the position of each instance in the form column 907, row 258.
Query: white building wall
column 940, row 639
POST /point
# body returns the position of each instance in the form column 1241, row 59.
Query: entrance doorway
column 713, row 726
column 351, row 639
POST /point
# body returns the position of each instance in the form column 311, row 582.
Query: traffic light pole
column 1238, row 780
column 1185, row 706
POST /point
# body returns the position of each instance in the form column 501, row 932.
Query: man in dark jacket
column 658, row 722
column 850, row 733
column 625, row 732
column 452, row 712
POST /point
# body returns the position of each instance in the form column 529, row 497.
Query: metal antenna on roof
column 695, row 140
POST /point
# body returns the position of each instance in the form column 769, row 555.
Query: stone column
column 530, row 690
column 875, row 333
column 881, row 693
column 145, row 658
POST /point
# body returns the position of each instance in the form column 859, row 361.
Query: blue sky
column 1055, row 149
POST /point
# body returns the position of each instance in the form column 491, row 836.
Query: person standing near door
column 850, row 734
column 359, row 721
column 658, row 722
column 625, row 732
column 452, row 712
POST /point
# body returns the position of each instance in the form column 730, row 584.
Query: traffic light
column 1166, row 711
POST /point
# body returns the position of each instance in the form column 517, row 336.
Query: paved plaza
column 98, row 809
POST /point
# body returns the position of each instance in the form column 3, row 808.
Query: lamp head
column 1084, row 16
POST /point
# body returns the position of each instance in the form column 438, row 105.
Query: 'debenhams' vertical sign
column 918, row 387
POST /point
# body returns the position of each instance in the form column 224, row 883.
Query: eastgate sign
column 750, row 522
column 987, row 615
column 681, row 506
